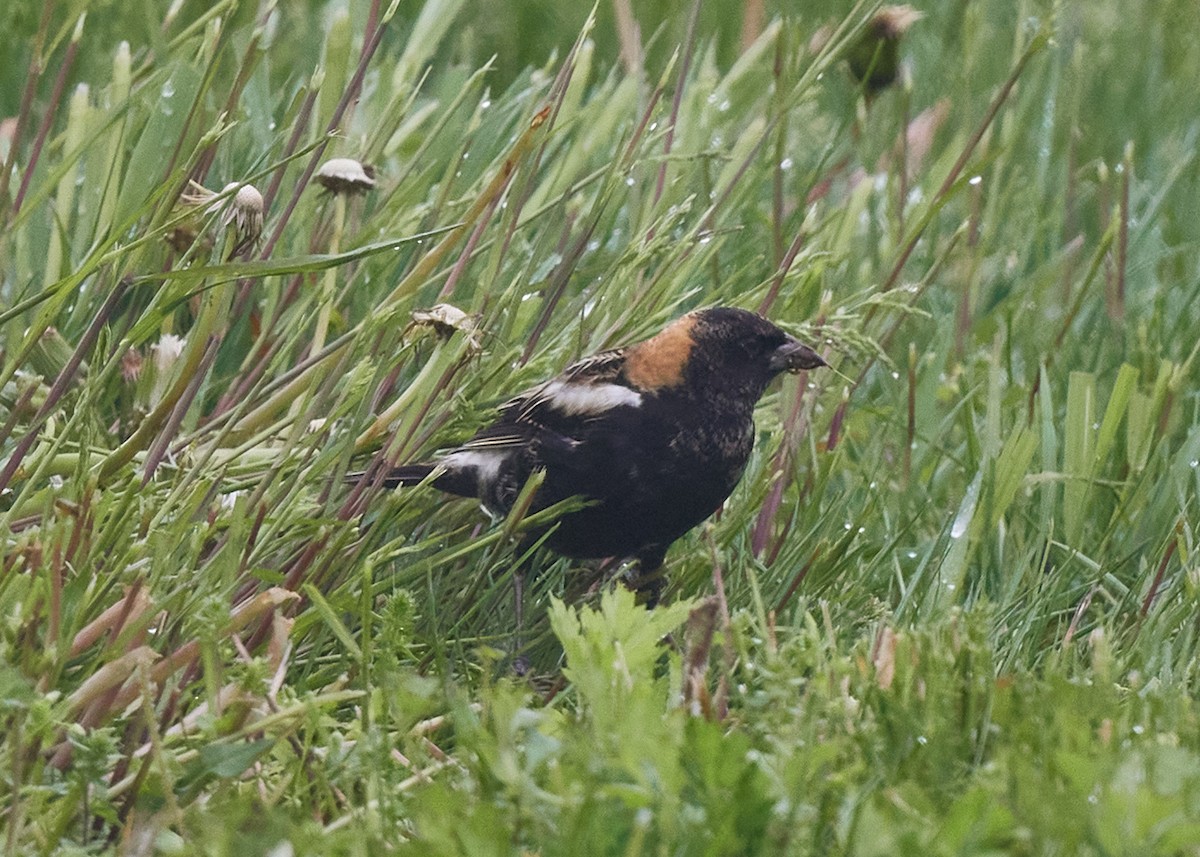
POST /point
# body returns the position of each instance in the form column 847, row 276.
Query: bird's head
column 723, row 349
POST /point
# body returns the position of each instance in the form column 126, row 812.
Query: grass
column 951, row 608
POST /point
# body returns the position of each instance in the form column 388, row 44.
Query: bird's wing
column 599, row 368
column 543, row 426
column 501, row 437
column 584, row 391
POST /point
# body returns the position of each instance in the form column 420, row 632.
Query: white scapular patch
column 486, row 465
column 574, row 399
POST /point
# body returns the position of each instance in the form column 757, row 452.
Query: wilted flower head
column 243, row 210
column 167, row 351
column 444, row 319
column 345, row 175
column 131, row 365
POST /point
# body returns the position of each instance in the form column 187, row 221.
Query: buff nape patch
column 659, row 361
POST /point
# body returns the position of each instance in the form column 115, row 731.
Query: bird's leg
column 520, row 664
column 650, row 578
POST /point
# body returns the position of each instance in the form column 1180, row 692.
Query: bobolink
column 655, row 436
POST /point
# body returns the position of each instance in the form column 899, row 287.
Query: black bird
column 874, row 57
column 655, row 435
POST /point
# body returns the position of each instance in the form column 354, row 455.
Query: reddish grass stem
column 62, row 383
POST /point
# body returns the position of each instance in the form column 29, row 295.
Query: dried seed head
column 245, row 212
column 444, row 319
column 131, row 365
column 346, row 175
column 167, row 351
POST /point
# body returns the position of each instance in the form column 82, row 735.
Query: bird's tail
column 407, row 474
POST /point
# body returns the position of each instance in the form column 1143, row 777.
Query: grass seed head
column 346, row 175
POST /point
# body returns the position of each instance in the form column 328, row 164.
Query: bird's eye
column 765, row 343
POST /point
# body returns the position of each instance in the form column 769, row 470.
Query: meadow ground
column 952, row 606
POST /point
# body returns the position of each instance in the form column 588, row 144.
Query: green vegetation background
column 952, row 607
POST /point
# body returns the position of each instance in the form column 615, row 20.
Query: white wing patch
column 486, row 465
column 577, row 399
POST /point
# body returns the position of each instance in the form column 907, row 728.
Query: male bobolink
column 655, row 435
column 875, row 57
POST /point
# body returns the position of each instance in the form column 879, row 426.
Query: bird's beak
column 794, row 356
